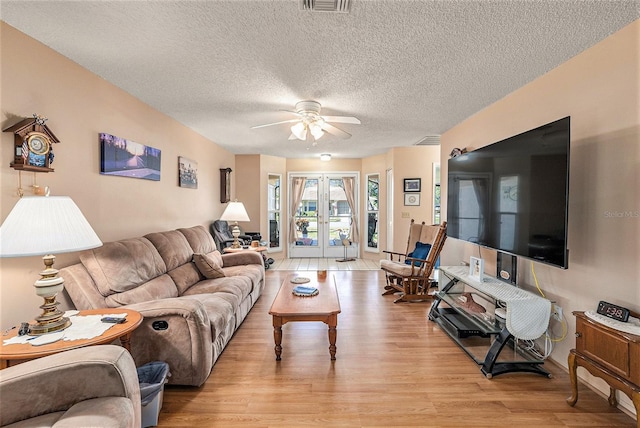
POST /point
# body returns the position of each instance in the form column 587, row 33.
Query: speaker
column 507, row 267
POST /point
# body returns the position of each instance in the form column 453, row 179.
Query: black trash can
column 152, row 377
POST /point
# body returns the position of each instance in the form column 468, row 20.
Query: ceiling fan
column 310, row 124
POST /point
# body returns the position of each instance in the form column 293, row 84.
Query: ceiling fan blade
column 275, row 123
column 292, row 137
column 292, row 112
column 342, row 119
column 334, row 131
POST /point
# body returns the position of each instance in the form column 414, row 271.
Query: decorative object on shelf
column 46, row 225
column 476, row 269
column 467, row 302
column 412, row 184
column 225, row 185
column 235, row 212
column 412, row 199
column 302, row 291
column 187, row 173
column 300, row 280
column 126, row 158
column 457, row 152
column 33, row 144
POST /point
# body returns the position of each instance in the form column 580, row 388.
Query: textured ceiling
column 406, row 69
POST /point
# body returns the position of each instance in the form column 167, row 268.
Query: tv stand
column 490, row 341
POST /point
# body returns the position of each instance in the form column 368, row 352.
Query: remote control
column 114, row 320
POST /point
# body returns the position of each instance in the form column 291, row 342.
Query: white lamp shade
column 316, row 130
column 300, row 131
column 235, row 212
column 40, row 225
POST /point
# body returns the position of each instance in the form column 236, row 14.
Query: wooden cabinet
column 609, row 354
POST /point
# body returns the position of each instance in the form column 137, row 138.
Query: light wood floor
column 393, row 368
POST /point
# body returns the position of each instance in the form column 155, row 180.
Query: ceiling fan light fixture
column 326, row 157
column 300, row 131
column 316, row 130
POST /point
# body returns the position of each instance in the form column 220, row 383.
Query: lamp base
column 49, row 327
column 236, row 233
column 48, row 286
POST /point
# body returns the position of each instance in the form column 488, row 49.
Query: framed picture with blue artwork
column 126, row 158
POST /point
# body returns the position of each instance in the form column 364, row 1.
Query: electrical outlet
column 405, row 215
column 556, row 312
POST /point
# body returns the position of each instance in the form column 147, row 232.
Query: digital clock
column 613, row 311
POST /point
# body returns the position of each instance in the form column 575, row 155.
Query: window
column 373, row 207
column 274, row 213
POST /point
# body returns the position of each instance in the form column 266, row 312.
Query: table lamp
column 46, row 225
column 235, row 212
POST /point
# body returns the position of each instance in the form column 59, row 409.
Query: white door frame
column 323, row 243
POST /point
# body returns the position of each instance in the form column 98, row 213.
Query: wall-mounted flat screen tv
column 513, row 195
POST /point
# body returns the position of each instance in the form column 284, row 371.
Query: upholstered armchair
column 223, row 238
column 95, row 386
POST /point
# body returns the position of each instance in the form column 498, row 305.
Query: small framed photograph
column 187, row 173
column 411, row 184
column 476, row 269
column 412, row 199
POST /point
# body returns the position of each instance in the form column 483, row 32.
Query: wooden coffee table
column 325, row 307
column 26, row 351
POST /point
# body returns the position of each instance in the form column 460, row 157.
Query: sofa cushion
column 172, row 247
column 114, row 412
column 161, row 287
column 209, row 265
column 122, row 265
column 220, row 309
column 46, row 420
column 199, row 239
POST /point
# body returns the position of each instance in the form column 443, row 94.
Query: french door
column 323, row 214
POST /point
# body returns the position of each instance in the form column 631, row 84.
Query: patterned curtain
column 297, row 189
column 349, row 189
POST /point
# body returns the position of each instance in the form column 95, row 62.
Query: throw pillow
column 420, row 252
column 209, row 265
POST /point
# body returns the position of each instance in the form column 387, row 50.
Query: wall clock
column 33, row 145
column 225, row 185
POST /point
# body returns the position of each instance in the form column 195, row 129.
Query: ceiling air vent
column 341, row 6
column 429, row 140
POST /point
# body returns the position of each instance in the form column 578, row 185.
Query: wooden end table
column 287, row 307
column 27, row 351
column 237, row 250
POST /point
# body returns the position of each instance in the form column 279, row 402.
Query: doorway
column 323, row 214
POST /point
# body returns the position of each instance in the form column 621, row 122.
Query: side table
column 27, row 351
column 609, row 354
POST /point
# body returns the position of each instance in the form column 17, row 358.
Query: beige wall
column 79, row 105
column 412, row 162
column 599, row 89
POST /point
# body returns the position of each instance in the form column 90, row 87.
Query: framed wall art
column 411, row 184
column 126, row 158
column 412, row 199
column 187, row 173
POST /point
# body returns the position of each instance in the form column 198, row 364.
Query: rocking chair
column 410, row 273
